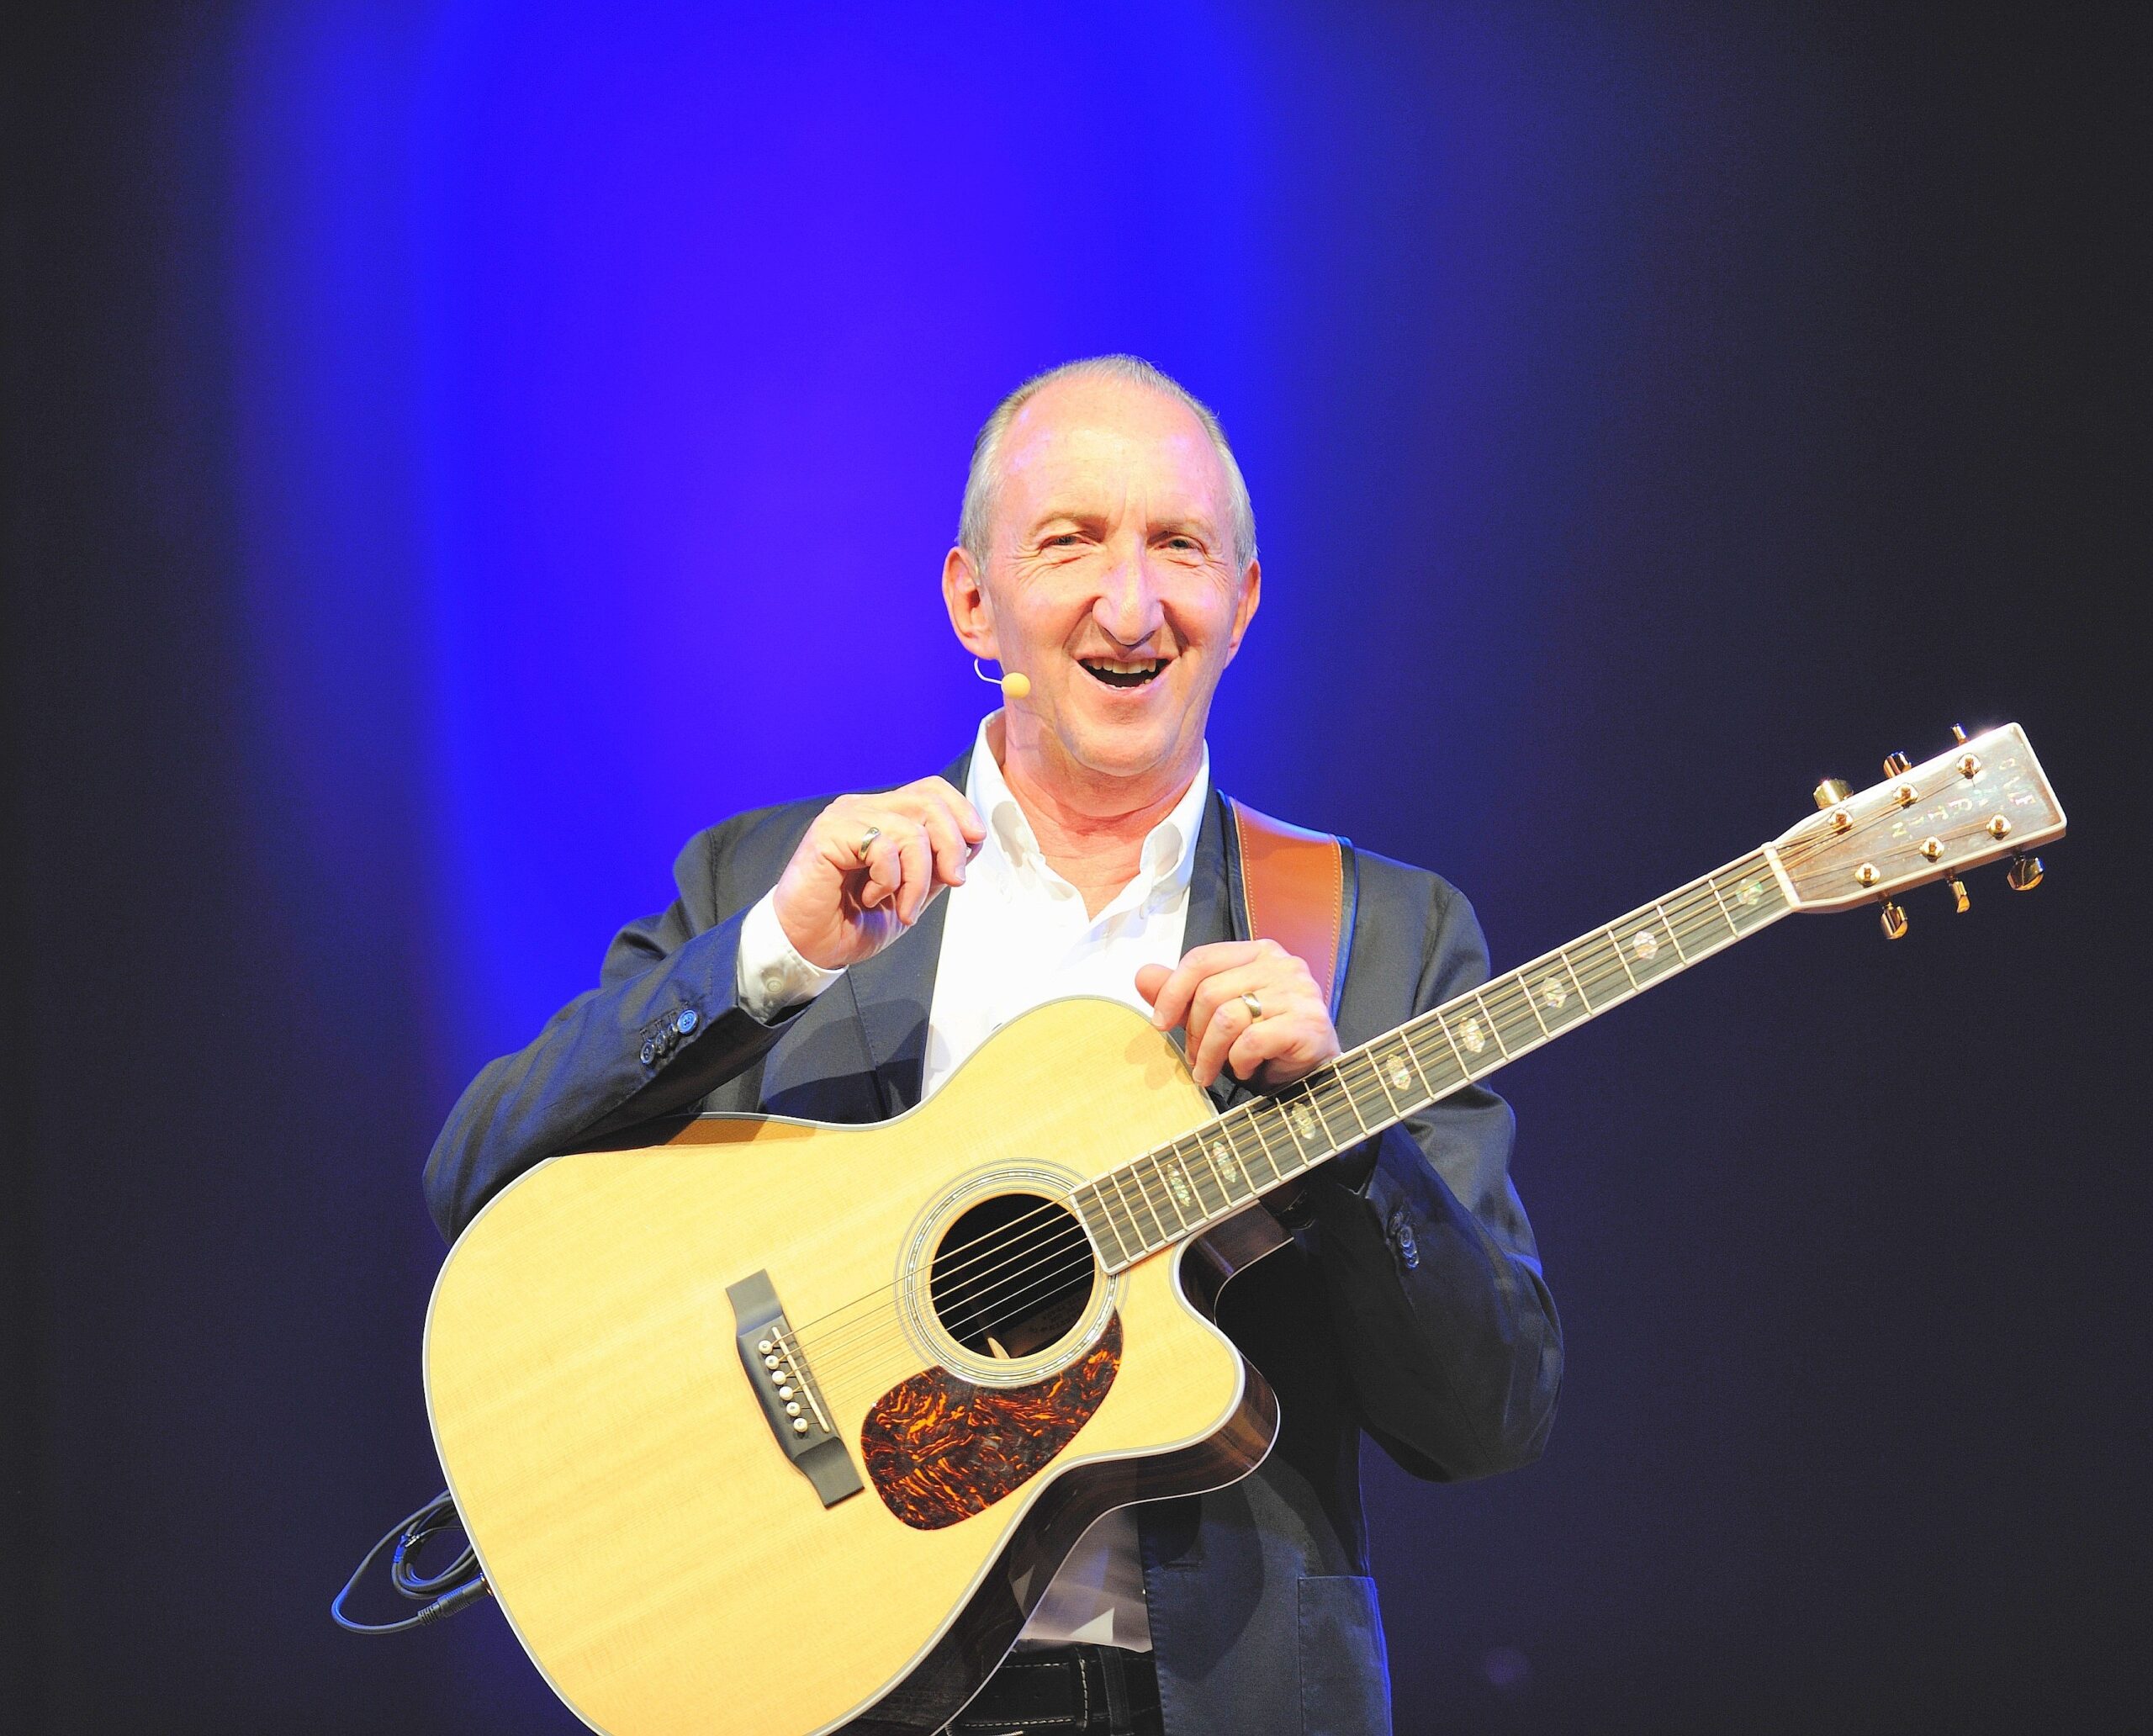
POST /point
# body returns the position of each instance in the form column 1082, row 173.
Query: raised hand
column 1285, row 1035
column 869, row 865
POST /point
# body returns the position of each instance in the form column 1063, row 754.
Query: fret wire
column 1122, row 1181
column 1238, row 1164
column 1328, row 1080
column 1121, row 1192
column 1708, row 916
column 1384, row 1078
column 1416, row 1033
column 1196, row 1180
column 1533, row 1002
column 1211, row 1163
column 1413, row 1054
column 1726, row 916
column 1338, row 1072
column 1311, row 1111
column 1501, row 1047
column 1457, row 1054
column 1270, row 1157
column 1701, row 919
column 1609, row 931
column 1385, row 1104
column 1673, row 938
column 1096, row 1230
column 1154, row 1188
column 1604, row 978
column 1383, row 1084
column 1224, row 1170
column 1563, row 954
column 1106, row 1215
column 1171, row 1168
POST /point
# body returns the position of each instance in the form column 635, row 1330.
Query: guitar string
column 1071, row 1259
column 850, row 1369
column 1060, row 1234
column 1696, row 919
column 995, row 1240
column 1692, row 917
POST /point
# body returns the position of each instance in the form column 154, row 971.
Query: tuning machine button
column 1959, row 734
column 1832, row 792
column 1897, row 765
column 1961, row 902
column 1892, row 920
column 2024, row 874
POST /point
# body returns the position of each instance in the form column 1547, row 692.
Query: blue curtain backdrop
column 460, row 450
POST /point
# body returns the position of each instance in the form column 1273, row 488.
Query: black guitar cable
column 439, row 1592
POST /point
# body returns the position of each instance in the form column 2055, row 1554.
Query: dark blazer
column 1409, row 1307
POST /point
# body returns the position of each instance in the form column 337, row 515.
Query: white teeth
column 1144, row 668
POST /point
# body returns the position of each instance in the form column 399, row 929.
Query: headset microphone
column 1016, row 685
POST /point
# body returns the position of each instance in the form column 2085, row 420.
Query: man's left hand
column 1292, row 1038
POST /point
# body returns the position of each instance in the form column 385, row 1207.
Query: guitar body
column 667, row 1563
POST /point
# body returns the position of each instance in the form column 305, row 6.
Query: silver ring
column 866, row 842
column 1255, row 1007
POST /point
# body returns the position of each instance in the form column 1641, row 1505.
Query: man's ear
column 971, row 612
column 1245, row 610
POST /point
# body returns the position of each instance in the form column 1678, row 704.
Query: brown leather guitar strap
column 1295, row 886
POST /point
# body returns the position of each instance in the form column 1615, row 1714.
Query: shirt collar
column 1169, row 856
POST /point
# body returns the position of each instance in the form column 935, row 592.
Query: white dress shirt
column 1015, row 935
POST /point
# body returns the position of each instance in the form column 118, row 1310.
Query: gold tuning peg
column 1832, row 792
column 2024, row 874
column 1897, row 765
column 1892, row 920
column 1959, row 900
column 1959, row 734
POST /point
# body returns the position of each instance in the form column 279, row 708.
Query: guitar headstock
column 1984, row 800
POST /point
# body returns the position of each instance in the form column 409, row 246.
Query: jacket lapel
column 1210, row 903
column 1213, row 917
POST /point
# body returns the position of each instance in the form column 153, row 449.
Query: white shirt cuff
column 770, row 977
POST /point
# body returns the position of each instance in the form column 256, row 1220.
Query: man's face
column 1110, row 579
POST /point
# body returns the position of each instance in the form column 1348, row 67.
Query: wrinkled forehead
column 1101, row 445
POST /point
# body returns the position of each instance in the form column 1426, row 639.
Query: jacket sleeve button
column 687, row 1020
column 649, row 1049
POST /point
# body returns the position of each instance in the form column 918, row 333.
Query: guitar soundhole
column 1011, row 1276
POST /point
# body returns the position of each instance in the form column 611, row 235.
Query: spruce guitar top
column 777, row 1428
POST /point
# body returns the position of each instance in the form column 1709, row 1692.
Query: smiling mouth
column 1123, row 674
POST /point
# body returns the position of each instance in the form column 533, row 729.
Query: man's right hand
column 867, row 867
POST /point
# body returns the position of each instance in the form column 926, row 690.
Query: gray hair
column 985, row 475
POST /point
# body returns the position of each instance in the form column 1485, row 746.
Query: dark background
column 1648, row 411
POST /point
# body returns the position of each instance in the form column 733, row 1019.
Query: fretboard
column 1178, row 1191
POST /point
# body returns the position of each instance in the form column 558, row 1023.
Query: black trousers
column 1067, row 1690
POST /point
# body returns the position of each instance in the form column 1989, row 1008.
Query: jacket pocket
column 1344, row 1675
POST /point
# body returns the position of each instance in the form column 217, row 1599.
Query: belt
column 1060, row 1691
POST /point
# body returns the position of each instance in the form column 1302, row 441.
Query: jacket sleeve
column 661, row 1031
column 1453, row 1348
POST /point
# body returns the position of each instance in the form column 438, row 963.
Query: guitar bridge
column 792, row 1404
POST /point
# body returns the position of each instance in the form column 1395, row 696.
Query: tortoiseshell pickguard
column 939, row 1449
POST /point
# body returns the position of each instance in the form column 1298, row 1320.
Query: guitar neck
column 1180, row 1190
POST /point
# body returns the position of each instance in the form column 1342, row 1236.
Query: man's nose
column 1129, row 608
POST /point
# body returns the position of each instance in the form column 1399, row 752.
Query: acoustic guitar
column 776, row 1428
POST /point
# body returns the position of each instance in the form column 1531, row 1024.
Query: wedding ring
column 866, row 842
column 1255, row 1007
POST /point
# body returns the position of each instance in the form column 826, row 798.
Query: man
column 837, row 960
